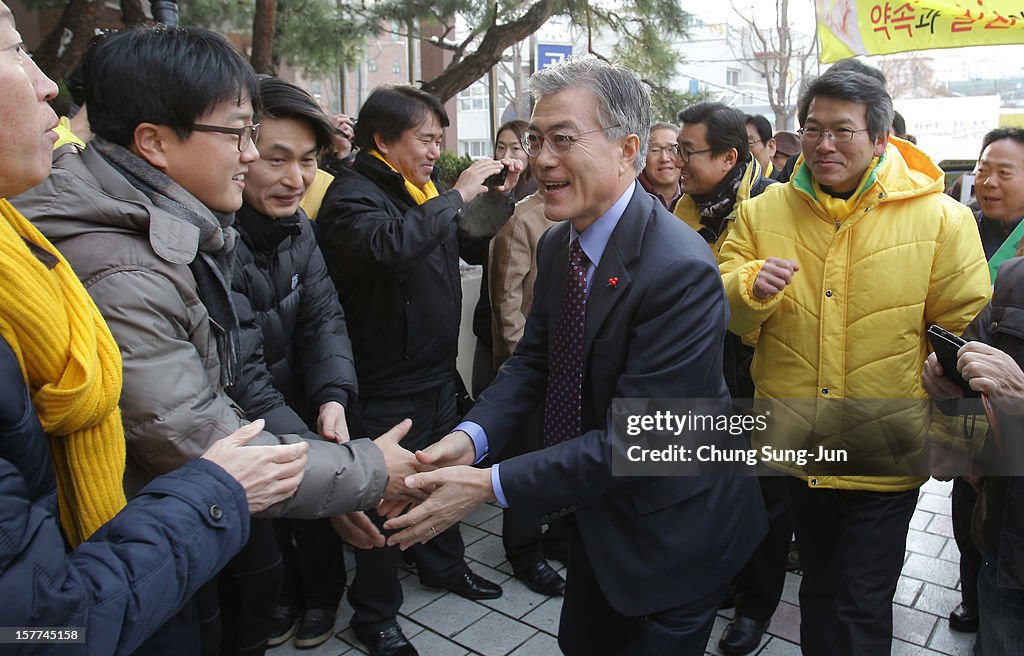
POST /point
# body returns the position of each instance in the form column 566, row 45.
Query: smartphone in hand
column 946, row 346
column 496, row 180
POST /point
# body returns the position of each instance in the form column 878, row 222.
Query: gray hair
column 622, row 98
column 663, row 125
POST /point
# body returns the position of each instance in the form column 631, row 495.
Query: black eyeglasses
column 837, row 135
column 560, row 144
column 685, row 155
column 247, row 134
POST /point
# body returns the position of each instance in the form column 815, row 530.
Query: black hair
column 390, row 110
column 899, row 125
column 726, row 127
column 165, row 76
column 280, row 99
column 761, row 126
column 856, row 88
column 517, row 126
column 851, row 65
column 998, row 134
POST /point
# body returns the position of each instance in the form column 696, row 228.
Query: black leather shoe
column 315, row 628
column 742, row 636
column 963, row 619
column 282, row 625
column 388, row 642
column 542, row 579
column 469, row 585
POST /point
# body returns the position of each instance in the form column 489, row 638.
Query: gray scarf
column 212, row 266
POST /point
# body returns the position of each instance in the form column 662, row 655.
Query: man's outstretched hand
column 401, row 464
column 454, row 493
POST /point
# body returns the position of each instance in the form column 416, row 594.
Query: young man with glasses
column 660, row 176
column 842, row 270
column 144, row 216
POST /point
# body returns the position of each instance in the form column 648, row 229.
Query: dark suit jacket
column 655, row 543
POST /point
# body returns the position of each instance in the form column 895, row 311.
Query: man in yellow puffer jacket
column 843, row 269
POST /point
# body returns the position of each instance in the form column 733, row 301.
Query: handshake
column 427, row 491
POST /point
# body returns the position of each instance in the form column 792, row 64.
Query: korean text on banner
column 876, row 27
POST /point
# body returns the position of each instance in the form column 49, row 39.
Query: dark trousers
column 236, row 606
column 759, row 584
column 313, row 559
column 521, row 531
column 589, row 625
column 375, row 593
column 964, row 498
column 851, row 546
column 1000, row 614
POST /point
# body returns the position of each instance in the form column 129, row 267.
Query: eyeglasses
column 247, row 134
column 837, row 135
column 685, row 155
column 672, row 150
column 753, row 142
column 560, row 144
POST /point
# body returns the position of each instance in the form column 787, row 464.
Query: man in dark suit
column 644, row 316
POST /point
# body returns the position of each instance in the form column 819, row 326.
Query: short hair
column 761, row 126
column 517, row 126
column 390, row 110
column 663, row 125
column 726, row 127
column 623, row 101
column 998, row 134
column 851, row 65
column 856, row 88
column 899, row 125
column 281, row 99
column 162, row 75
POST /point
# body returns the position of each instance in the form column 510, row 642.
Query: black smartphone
column 946, row 345
column 497, row 179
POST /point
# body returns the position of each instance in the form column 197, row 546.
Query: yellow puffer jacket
column 852, row 323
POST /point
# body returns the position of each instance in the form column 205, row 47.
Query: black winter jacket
column 1001, row 324
column 282, row 280
column 135, row 571
column 396, row 268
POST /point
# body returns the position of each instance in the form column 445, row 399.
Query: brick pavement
column 522, row 623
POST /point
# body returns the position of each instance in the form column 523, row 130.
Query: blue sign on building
column 549, row 54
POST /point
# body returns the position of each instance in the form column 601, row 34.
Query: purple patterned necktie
column 563, row 407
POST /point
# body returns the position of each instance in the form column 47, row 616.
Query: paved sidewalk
column 522, row 623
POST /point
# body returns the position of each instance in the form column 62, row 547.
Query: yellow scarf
column 840, row 208
column 419, row 194
column 72, row 368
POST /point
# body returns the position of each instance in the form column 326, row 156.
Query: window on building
column 395, row 31
column 474, row 98
column 732, row 77
column 396, row 68
column 475, row 148
column 371, row 65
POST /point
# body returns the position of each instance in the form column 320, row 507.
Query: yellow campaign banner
column 877, row 27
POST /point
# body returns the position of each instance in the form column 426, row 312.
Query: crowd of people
column 230, row 328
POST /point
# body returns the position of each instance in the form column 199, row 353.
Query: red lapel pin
column 613, row 281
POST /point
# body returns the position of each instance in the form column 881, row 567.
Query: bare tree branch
column 497, row 39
